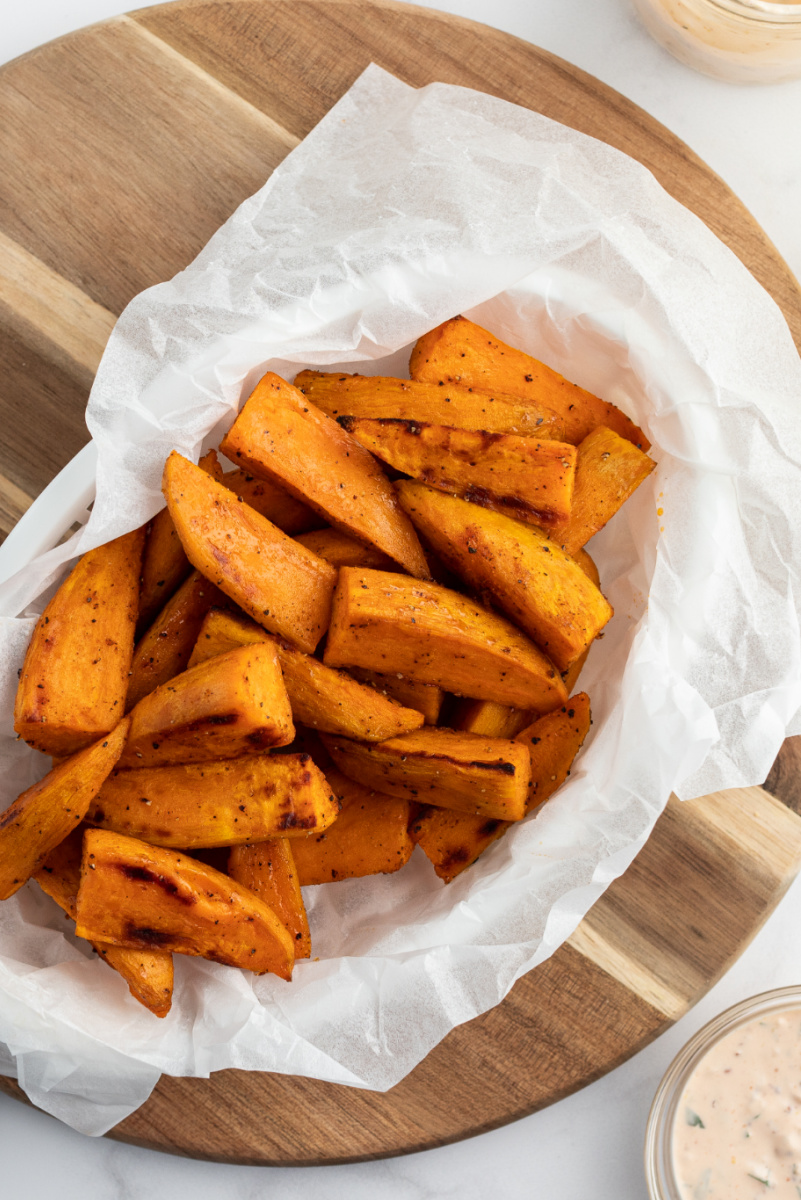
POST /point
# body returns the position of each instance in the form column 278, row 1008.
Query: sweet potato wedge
column 341, row 550
column 608, row 469
column 290, row 515
column 524, row 477
column 148, row 973
column 231, row 705
column 280, row 583
column 434, row 635
column 268, row 869
column 462, row 771
column 164, row 563
column 426, row 698
column 533, row 580
column 75, row 675
column 201, row 805
column 460, row 352
column 321, row 697
column 370, row 837
column 44, row 814
column 490, row 719
column 341, row 395
column 164, row 649
column 146, row 897
column 452, row 841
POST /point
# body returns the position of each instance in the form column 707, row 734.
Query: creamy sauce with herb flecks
column 737, row 1132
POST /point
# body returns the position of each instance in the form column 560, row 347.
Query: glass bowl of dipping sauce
column 744, row 41
column 725, row 1123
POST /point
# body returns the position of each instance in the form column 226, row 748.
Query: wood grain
column 124, row 147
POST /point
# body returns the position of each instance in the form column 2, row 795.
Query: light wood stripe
column 56, row 308
column 229, row 97
column 756, row 825
column 633, row 975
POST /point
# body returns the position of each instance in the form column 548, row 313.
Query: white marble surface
column 587, row 1147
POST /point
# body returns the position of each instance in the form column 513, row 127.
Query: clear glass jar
column 659, row 1170
column 744, row 41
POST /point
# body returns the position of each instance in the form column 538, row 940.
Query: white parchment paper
column 400, row 209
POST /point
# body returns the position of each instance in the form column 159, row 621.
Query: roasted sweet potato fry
column 146, row 897
column 164, row 649
column 148, row 973
column 425, row 697
column 375, row 396
column 280, row 583
column 533, row 580
column 44, row 814
column 200, row 805
column 452, row 841
column 458, row 351
column 231, row 705
column 164, row 563
column 279, row 435
column 321, row 697
column 268, row 869
column 490, row 719
column 370, row 837
column 341, row 550
column 439, row 766
column 436, row 636
column 608, row 469
column 75, row 675
column 290, row 515
column 524, row 477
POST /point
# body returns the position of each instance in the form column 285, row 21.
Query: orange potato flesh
column 44, row 814
column 365, row 396
column 231, row 705
column 341, row 550
column 608, row 469
column 281, row 436
column 370, row 837
column 458, row 351
column 452, row 841
column 146, row 897
column 164, row 649
column 281, row 584
column 268, row 869
column 290, row 515
column 75, row 675
column 321, row 697
column 164, row 563
column 426, row 698
column 202, row 805
column 434, row 635
column 490, row 719
column 148, row 973
column 538, row 585
column 524, row 477
column 462, row 771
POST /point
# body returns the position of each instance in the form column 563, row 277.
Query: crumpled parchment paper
column 400, row 209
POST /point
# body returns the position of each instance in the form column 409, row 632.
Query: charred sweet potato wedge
column 434, row 635
column 608, row 470
column 145, row 897
column 378, row 397
column 370, row 837
column 341, row 550
column 164, row 563
column 321, row 697
column 538, row 585
column 164, row 649
column 426, row 698
column 280, row 436
column 231, row 705
column 268, row 869
column 44, row 814
column 462, row 771
column 148, row 973
column 75, row 676
column 281, row 584
column 201, row 805
column 290, row 515
column 523, row 477
column 460, row 352
column 452, row 841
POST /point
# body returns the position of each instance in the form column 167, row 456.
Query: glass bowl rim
column 761, row 11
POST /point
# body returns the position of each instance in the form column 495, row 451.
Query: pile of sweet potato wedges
column 365, row 636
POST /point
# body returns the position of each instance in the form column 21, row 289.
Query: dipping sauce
column 737, row 1130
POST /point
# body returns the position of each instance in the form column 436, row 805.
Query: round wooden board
column 124, row 147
